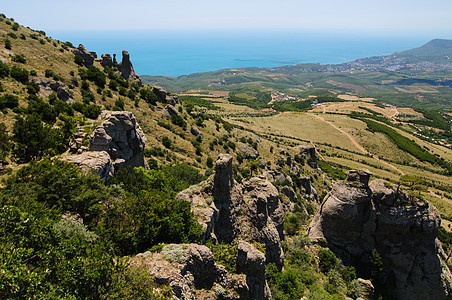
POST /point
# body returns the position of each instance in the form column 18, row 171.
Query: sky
column 410, row 17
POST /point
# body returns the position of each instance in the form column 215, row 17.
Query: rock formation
column 191, row 272
column 308, row 152
column 48, row 86
column 106, row 60
column 229, row 211
column 118, row 142
column 120, row 135
column 126, row 68
column 164, row 97
column 357, row 218
column 99, row 161
column 246, row 151
column 170, row 111
column 88, row 57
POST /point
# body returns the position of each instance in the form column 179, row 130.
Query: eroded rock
column 357, row 218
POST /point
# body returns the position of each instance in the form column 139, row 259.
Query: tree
column 5, row 143
column 34, row 140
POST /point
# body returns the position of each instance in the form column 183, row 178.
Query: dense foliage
column 46, row 255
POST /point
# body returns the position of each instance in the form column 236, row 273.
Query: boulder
column 169, row 111
column 195, row 131
column 160, row 93
column 251, row 262
column 190, row 271
column 106, row 60
column 309, row 153
column 88, row 57
column 357, row 218
column 120, row 135
column 98, row 161
column 289, row 192
column 246, row 151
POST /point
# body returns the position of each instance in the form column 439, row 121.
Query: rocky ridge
column 357, row 219
column 229, row 211
column 191, row 272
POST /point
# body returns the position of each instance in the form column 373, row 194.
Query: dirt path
column 357, row 145
column 354, row 142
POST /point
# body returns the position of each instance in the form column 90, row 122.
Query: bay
column 181, row 52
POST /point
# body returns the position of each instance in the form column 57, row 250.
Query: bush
column 8, row 101
column 79, row 60
column 166, row 142
column 19, row 74
column 179, row 121
column 327, row 260
column 33, row 140
column 94, row 74
column 7, row 44
column 19, row 58
column 4, row 70
column 119, row 104
column 15, row 26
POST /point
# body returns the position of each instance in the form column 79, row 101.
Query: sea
column 183, row 52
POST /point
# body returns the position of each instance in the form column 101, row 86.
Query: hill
column 205, row 194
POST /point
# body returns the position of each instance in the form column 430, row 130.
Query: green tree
column 33, row 140
column 5, row 143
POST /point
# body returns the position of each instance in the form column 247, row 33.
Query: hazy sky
column 432, row 17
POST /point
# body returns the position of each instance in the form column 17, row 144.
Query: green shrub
column 8, row 44
column 225, row 255
column 12, row 35
column 166, row 142
column 19, row 74
column 327, row 260
column 19, row 58
column 8, row 101
column 4, row 70
column 15, row 26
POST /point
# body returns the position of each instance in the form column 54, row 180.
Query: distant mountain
column 437, row 50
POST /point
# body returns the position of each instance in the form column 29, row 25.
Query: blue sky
column 431, row 17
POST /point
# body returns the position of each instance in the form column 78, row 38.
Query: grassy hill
column 46, row 252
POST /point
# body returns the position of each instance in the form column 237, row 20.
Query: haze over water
column 174, row 53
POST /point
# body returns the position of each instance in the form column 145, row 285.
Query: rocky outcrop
column 169, row 111
column 88, row 57
column 195, row 130
column 164, row 97
column 246, row 151
column 308, row 152
column 126, row 68
column 48, row 86
column 117, row 143
column 191, row 272
column 357, row 218
column 229, row 211
column 120, row 135
column 106, row 60
column 98, row 161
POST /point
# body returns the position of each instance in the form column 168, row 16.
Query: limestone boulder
column 246, row 151
column 357, row 218
column 88, row 57
column 120, row 135
column 98, row 161
column 191, row 272
column 169, row 111
column 195, row 130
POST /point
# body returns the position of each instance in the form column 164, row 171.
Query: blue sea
column 174, row 53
